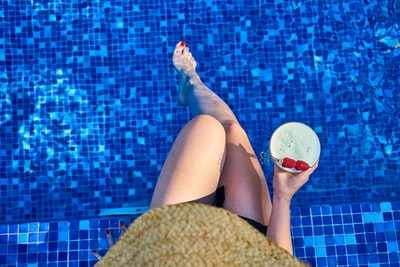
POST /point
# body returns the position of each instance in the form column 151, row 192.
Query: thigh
column 193, row 167
column 246, row 191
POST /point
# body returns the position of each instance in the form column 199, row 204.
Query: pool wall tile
column 370, row 242
column 88, row 99
column 88, row 113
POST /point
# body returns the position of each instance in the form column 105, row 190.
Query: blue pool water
column 88, row 112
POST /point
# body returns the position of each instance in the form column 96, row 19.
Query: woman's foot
column 185, row 65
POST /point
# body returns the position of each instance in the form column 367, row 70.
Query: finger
column 96, row 254
column 313, row 168
column 316, row 164
column 122, row 228
column 278, row 169
column 110, row 240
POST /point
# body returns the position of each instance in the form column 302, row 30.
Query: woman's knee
column 213, row 135
column 234, row 129
column 209, row 125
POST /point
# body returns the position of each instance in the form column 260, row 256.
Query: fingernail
column 110, row 240
column 122, row 227
column 97, row 255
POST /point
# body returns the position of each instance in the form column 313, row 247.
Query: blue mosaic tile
column 76, row 93
column 86, row 126
column 378, row 245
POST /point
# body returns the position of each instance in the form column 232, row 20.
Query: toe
column 182, row 57
column 179, row 47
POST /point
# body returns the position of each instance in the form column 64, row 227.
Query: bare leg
column 246, row 191
column 194, row 164
column 193, row 92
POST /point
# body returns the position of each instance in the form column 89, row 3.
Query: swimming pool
column 89, row 112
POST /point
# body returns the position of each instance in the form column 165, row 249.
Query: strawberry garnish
column 288, row 163
column 302, row 165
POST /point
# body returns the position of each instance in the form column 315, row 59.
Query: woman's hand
column 110, row 239
column 286, row 184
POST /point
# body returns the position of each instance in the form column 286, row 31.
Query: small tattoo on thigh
column 220, row 159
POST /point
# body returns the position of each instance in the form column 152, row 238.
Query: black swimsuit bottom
column 218, row 198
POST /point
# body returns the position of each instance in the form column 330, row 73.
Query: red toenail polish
column 121, row 223
column 108, row 231
column 183, row 43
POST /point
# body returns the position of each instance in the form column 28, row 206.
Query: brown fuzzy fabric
column 194, row 235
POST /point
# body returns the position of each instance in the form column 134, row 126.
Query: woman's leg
column 192, row 91
column 194, row 164
column 246, row 192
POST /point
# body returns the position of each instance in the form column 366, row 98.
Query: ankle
column 194, row 79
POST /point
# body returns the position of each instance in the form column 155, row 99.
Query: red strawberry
column 288, row 163
column 302, row 165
